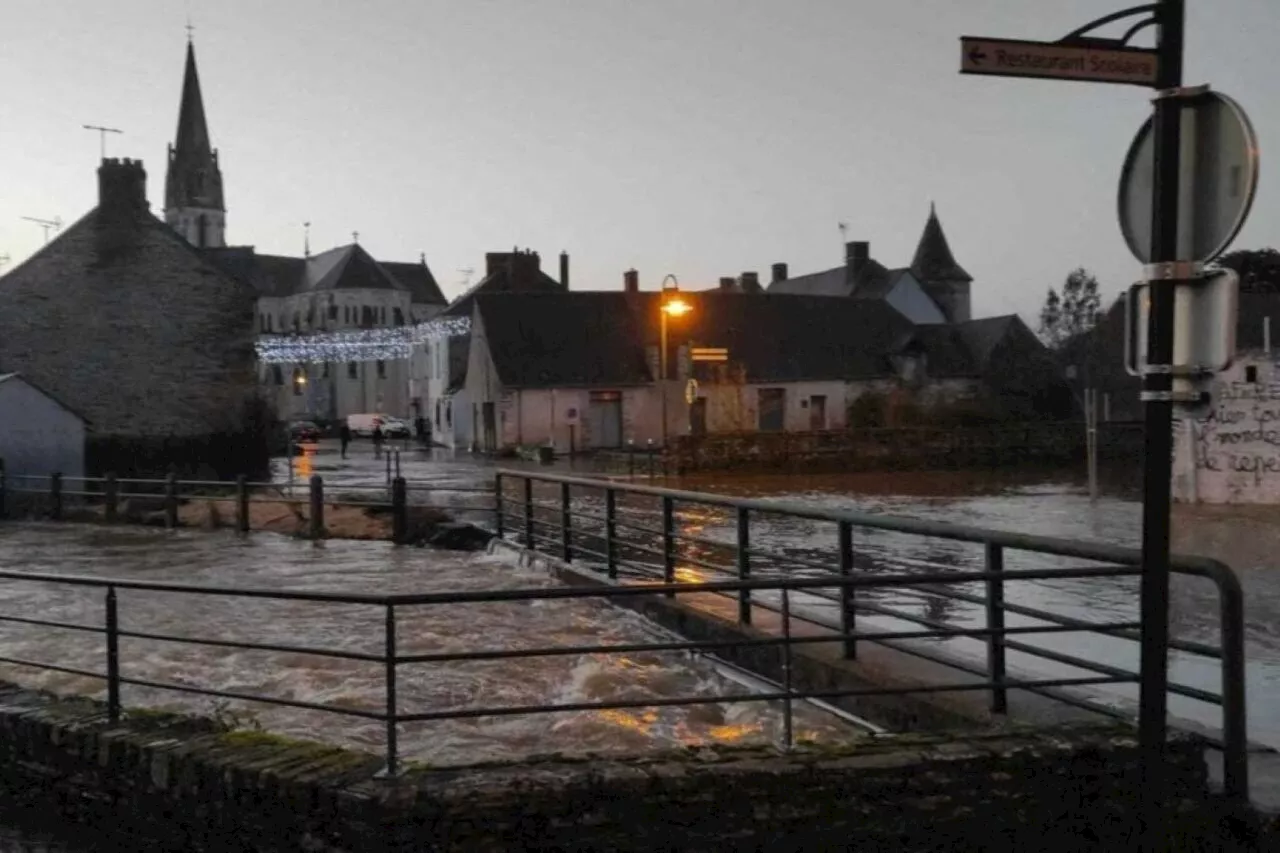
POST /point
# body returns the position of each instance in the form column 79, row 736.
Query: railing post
column 650, row 451
column 566, row 533
column 397, row 463
column 388, row 467
column 744, row 564
column 498, row 508
column 242, row 503
column 55, row 495
column 611, row 533
column 631, row 459
column 393, row 757
column 848, row 613
column 113, row 657
column 786, row 667
column 1235, row 756
column 399, row 511
column 3, row 489
column 528, row 513
column 316, row 515
column 995, row 624
column 668, row 542
column 111, row 498
column 171, row 500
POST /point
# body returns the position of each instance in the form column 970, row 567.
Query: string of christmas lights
column 357, row 344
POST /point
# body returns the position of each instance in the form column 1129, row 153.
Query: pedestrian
column 377, row 441
column 344, row 436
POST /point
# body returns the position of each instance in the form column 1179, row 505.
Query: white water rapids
column 270, row 561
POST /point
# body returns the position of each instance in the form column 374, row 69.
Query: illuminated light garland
column 357, row 344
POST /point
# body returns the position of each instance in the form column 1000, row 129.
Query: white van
column 364, row 424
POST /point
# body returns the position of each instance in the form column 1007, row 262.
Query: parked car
column 304, row 431
column 396, row 428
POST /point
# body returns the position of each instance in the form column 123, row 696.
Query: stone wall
column 169, row 782
column 1056, row 443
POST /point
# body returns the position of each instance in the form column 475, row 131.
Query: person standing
column 377, row 441
column 344, row 436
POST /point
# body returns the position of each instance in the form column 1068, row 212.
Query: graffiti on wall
column 1236, row 442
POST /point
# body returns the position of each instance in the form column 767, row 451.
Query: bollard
column 171, row 500
column 399, row 512
column 2, row 489
column 242, row 503
column 744, row 564
column 397, row 463
column 55, row 495
column 668, row 542
column 497, row 504
column 995, row 624
column 388, row 469
column 848, row 613
column 111, row 496
column 611, row 533
column 631, row 459
column 316, row 516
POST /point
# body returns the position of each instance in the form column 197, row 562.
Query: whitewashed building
column 39, row 435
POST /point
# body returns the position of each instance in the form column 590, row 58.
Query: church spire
column 194, row 204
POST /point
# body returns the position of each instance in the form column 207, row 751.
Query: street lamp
column 671, row 306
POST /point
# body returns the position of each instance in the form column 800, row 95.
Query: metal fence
column 55, row 496
column 603, row 524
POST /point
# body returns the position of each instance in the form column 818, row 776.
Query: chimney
column 122, row 204
column 631, row 281
column 122, row 186
column 779, row 273
column 494, row 261
column 856, row 256
column 728, row 283
column 564, row 270
column 750, row 282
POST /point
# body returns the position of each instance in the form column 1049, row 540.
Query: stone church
column 341, row 288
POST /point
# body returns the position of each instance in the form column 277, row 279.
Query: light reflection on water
column 276, row 562
column 1247, row 539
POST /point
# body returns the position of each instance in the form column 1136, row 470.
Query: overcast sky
column 697, row 137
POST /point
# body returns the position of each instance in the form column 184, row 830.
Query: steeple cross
column 190, row 29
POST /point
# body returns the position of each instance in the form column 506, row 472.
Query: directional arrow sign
column 1008, row 58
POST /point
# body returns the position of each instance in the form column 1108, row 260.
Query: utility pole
column 102, row 136
column 46, row 224
column 1157, row 387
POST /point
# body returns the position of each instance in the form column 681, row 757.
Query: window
column 382, row 369
column 397, row 316
column 324, row 370
column 299, row 381
column 277, row 376
column 366, row 316
column 1251, row 373
column 351, row 370
column 448, row 413
column 268, row 322
column 333, row 312
column 384, row 315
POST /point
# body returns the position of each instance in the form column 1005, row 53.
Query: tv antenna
column 102, row 136
column 4, row 259
column 46, row 224
column 306, row 239
column 467, row 272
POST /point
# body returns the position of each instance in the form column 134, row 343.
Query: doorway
column 604, row 419
column 818, row 412
column 490, row 427
column 698, row 417
column 772, row 409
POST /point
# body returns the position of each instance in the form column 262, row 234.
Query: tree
column 1071, row 313
column 1259, row 269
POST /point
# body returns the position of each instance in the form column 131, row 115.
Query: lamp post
column 671, row 306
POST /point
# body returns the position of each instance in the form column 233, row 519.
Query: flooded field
column 269, row 561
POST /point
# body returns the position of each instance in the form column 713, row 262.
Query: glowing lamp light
column 676, row 308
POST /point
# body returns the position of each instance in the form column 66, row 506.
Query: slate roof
column 563, row 340
column 5, row 377
column 947, row 353
column 343, row 268
column 418, row 279
column 981, row 337
column 933, row 260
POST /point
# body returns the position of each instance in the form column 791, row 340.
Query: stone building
column 342, row 288
column 127, row 323
column 934, row 289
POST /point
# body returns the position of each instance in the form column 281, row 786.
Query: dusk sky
column 697, row 137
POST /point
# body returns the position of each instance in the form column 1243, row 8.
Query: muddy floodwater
column 275, row 562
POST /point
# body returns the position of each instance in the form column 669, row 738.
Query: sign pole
column 1158, row 392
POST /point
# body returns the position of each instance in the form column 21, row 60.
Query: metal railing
column 56, row 493
column 393, row 717
column 576, row 519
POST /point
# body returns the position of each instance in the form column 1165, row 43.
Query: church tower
column 193, row 204
column 937, row 271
